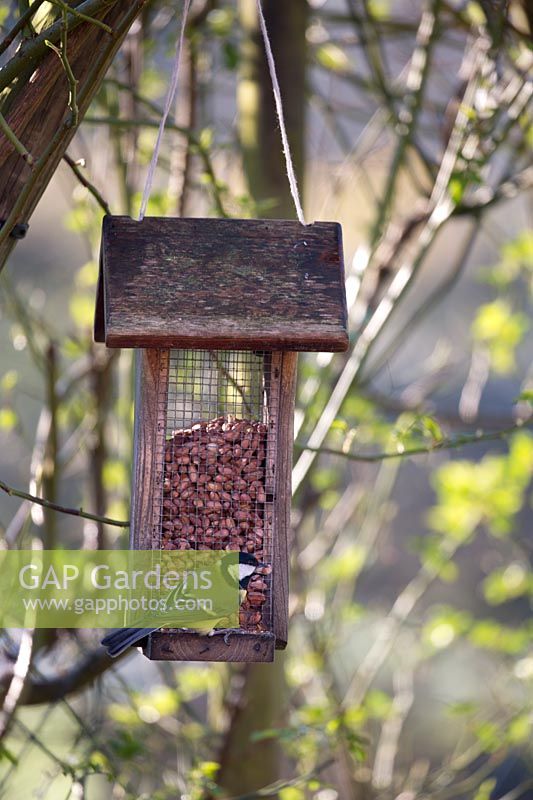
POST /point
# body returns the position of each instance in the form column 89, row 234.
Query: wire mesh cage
column 218, row 310
column 218, row 462
column 212, row 472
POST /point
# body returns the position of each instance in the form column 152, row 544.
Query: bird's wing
column 118, row 641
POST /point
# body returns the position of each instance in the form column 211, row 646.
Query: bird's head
column 248, row 564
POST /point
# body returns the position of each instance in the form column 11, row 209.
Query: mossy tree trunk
column 40, row 114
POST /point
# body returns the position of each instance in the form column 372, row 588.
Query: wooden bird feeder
column 218, row 310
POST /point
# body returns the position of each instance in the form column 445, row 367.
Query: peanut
column 214, row 498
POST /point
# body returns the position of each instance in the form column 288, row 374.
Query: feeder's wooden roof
column 221, row 284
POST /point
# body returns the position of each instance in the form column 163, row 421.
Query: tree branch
column 85, row 182
column 62, row 54
column 34, row 49
column 12, row 137
column 90, row 667
column 38, row 107
column 74, row 512
column 19, row 26
column 442, row 444
column 85, row 17
column 12, row 691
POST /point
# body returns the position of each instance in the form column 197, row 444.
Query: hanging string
column 279, row 110
column 168, row 104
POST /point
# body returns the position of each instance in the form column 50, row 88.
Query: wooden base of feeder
column 231, row 646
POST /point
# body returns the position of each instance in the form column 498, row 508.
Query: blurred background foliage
column 409, row 669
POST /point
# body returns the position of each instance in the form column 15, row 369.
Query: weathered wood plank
column 282, row 505
column 148, row 447
column 222, row 284
column 190, row 646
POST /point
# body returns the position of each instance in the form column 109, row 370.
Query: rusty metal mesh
column 217, row 488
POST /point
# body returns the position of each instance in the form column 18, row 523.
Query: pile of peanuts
column 214, row 497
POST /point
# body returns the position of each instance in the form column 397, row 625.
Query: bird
column 246, row 567
column 120, row 639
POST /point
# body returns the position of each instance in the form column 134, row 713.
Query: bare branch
column 389, row 740
column 62, row 54
column 85, row 17
column 17, row 681
column 442, row 208
column 12, row 137
column 441, row 444
column 74, row 512
column 82, row 674
column 19, row 26
column 75, row 167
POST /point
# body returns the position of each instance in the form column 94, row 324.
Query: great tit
column 119, row 640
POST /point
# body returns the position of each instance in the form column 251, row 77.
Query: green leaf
column 9, row 380
column 432, row 427
column 519, row 251
column 209, row 768
column 123, row 714
column 448, row 572
column 519, row 731
column 489, row 735
column 231, row 55
column 485, row 790
column 356, row 748
column 267, row 733
column 516, row 260
column 220, row 21
column 441, row 631
column 475, row 14
column 462, row 709
column 324, row 479
column 343, row 567
column 487, row 634
column 291, row 793
column 8, row 419
column 205, row 139
column 82, row 310
column 456, row 188
column 126, row 745
column 507, row 584
column 115, row 475
column 378, row 704
column 87, row 275
column 501, row 330
column 379, row 9
column 525, row 397
column 194, row 682
column 329, row 499
column 99, row 762
column 159, row 702
column 332, row 57
column 490, row 492
column 412, row 429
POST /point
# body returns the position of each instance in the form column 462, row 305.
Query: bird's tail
column 118, row 641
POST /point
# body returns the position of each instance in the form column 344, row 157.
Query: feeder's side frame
column 282, row 505
column 151, row 376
